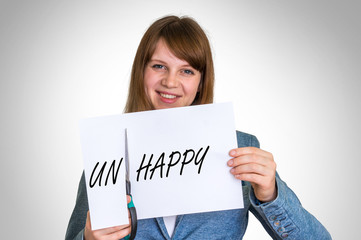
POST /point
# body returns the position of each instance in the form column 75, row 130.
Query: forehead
column 163, row 53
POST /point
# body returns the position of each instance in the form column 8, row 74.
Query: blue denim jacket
column 283, row 218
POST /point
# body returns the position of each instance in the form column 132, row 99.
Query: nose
column 170, row 80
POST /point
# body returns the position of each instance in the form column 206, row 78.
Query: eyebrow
column 156, row 60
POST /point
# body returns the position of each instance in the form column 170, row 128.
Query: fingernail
column 230, row 162
column 232, row 153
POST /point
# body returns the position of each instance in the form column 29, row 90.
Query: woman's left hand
column 257, row 167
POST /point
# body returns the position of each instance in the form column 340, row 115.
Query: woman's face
column 169, row 81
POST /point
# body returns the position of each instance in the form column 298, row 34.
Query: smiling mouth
column 167, row 96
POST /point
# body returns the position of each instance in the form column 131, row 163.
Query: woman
column 173, row 67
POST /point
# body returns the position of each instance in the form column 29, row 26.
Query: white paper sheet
column 102, row 140
column 178, row 130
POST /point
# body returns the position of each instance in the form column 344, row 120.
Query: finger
column 251, row 177
column 88, row 223
column 119, row 234
column 111, row 230
column 251, row 158
column 259, row 183
column 248, row 150
column 251, row 168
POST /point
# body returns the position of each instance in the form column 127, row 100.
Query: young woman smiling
column 169, row 81
column 173, row 67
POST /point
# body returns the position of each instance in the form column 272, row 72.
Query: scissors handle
column 134, row 220
column 133, row 213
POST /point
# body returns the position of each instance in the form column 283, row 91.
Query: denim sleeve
column 77, row 220
column 285, row 218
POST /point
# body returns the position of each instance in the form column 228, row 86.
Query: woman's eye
column 187, row 71
column 158, row 66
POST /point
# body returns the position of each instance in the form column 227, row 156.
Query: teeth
column 167, row 96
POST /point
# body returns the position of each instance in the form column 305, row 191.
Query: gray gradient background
column 291, row 68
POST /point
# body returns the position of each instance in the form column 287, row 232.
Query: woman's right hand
column 116, row 233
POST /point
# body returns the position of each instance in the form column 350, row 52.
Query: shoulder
column 247, row 140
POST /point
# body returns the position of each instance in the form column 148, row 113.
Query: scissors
column 133, row 212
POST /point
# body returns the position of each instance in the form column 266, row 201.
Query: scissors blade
column 126, row 157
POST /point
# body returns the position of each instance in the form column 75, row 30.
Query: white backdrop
column 291, row 68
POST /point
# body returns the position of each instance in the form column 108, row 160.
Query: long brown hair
column 187, row 41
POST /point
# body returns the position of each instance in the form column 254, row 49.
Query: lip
column 168, row 100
